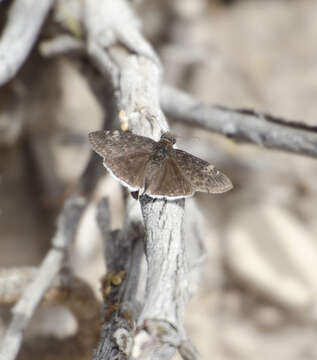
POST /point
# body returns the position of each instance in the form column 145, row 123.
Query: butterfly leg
column 135, row 194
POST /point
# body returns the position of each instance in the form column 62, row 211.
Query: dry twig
column 51, row 265
column 241, row 125
column 19, row 35
column 117, row 331
column 13, row 282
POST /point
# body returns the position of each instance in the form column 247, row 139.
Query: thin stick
column 241, row 125
column 51, row 265
column 23, row 26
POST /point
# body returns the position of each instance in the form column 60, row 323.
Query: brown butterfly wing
column 200, row 174
column 125, row 155
column 129, row 169
column 110, row 144
column 168, row 182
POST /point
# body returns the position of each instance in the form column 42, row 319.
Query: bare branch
column 139, row 97
column 135, row 79
column 75, row 294
column 241, row 125
column 138, row 87
column 108, row 23
column 80, row 299
column 161, row 272
column 136, row 76
column 116, row 338
column 24, row 23
column 13, row 282
column 51, row 265
column 62, row 44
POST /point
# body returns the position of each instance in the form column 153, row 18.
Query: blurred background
column 258, row 291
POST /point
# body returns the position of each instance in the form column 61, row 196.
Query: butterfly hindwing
column 169, row 182
column 129, row 169
column 201, row 175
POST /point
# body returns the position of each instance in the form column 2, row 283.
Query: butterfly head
column 168, row 139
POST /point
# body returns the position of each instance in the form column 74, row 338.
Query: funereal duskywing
column 156, row 168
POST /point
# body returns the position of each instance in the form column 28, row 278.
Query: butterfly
column 155, row 168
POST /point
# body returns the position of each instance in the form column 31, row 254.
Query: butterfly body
column 156, row 168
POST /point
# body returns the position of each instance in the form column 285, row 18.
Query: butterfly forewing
column 125, row 155
column 110, row 144
column 201, row 175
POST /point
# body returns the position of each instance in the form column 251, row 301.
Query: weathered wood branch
column 241, row 125
column 13, row 282
column 136, row 75
column 119, row 310
column 50, row 267
column 24, row 23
